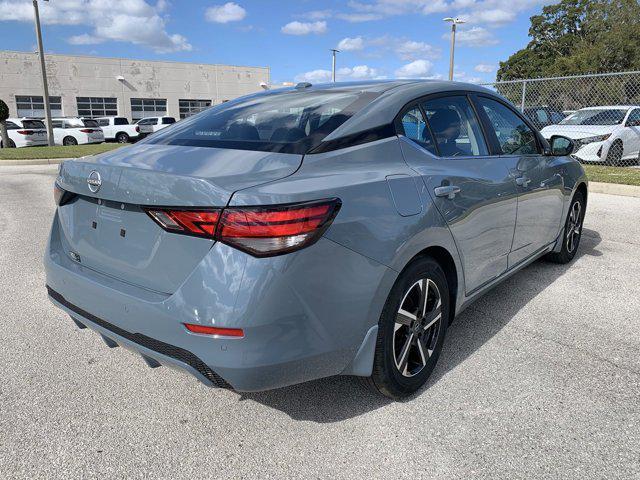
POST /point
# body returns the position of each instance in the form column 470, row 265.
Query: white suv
column 149, row 125
column 76, row 131
column 25, row 132
column 602, row 134
column 118, row 129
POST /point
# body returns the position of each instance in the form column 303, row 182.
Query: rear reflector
column 260, row 231
column 206, row 330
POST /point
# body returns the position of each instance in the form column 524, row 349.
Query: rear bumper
column 304, row 315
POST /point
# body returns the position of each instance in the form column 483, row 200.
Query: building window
column 97, row 106
column 33, row 106
column 148, row 107
column 191, row 107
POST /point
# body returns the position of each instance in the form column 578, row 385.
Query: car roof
column 393, row 95
column 610, row 107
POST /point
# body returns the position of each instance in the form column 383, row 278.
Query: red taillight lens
column 201, row 223
column 86, row 130
column 25, row 132
column 60, row 195
column 206, row 330
column 260, row 231
column 137, row 129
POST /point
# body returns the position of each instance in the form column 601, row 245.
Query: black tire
column 68, row 141
column 614, row 155
column 122, row 137
column 12, row 144
column 396, row 375
column 572, row 231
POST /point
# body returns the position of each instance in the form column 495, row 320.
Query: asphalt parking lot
column 539, row 379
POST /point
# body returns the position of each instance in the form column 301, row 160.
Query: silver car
column 312, row 231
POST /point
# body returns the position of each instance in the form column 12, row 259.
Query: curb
column 43, row 161
column 614, row 189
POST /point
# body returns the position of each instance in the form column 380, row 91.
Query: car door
column 633, row 126
column 472, row 188
column 538, row 177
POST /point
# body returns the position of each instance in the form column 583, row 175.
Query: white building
column 98, row 86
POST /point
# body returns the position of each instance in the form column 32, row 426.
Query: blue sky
column 377, row 38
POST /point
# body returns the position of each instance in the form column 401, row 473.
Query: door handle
column 449, row 191
column 523, row 181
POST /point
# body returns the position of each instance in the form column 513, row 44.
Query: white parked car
column 149, row 125
column 26, row 132
column 602, row 134
column 118, row 129
column 76, row 131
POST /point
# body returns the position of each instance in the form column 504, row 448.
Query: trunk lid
column 106, row 229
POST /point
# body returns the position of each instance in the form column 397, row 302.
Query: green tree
column 579, row 36
column 4, row 114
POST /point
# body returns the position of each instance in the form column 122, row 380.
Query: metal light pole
column 43, row 68
column 333, row 64
column 454, row 22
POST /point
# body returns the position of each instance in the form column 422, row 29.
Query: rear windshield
column 32, row 124
column 595, row 117
column 286, row 122
column 90, row 123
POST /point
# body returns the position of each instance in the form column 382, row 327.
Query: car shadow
column 339, row 398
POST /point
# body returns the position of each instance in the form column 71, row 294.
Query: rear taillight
column 86, row 130
column 60, row 195
column 260, row 231
column 25, row 132
column 137, row 129
column 218, row 331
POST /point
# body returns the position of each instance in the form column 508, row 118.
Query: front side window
column 120, row 121
column 513, row 134
column 455, row 127
column 287, row 122
column 414, row 127
column 634, row 118
column 57, row 124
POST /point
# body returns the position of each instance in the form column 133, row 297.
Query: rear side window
column 119, row 121
column 513, row 134
column 168, row 120
column 414, row 127
column 287, row 122
column 455, row 127
column 32, row 124
column 103, row 122
column 11, row 126
column 57, row 124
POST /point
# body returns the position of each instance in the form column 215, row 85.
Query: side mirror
column 561, row 146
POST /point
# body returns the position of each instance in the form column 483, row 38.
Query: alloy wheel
column 574, row 226
column 417, row 327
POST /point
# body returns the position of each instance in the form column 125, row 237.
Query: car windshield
column 613, row 116
column 286, row 122
column 32, row 124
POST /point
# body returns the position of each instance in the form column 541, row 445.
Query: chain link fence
column 600, row 112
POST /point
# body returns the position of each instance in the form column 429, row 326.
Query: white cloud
column 484, row 68
column 304, row 28
column 229, row 12
column 316, row 15
column 474, row 37
column 359, row 72
column 358, row 17
column 133, row 21
column 412, row 50
column 416, row 69
column 463, row 77
column 351, row 44
column 85, row 39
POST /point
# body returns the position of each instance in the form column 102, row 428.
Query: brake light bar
column 260, row 231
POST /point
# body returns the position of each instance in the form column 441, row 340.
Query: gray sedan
column 321, row 230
